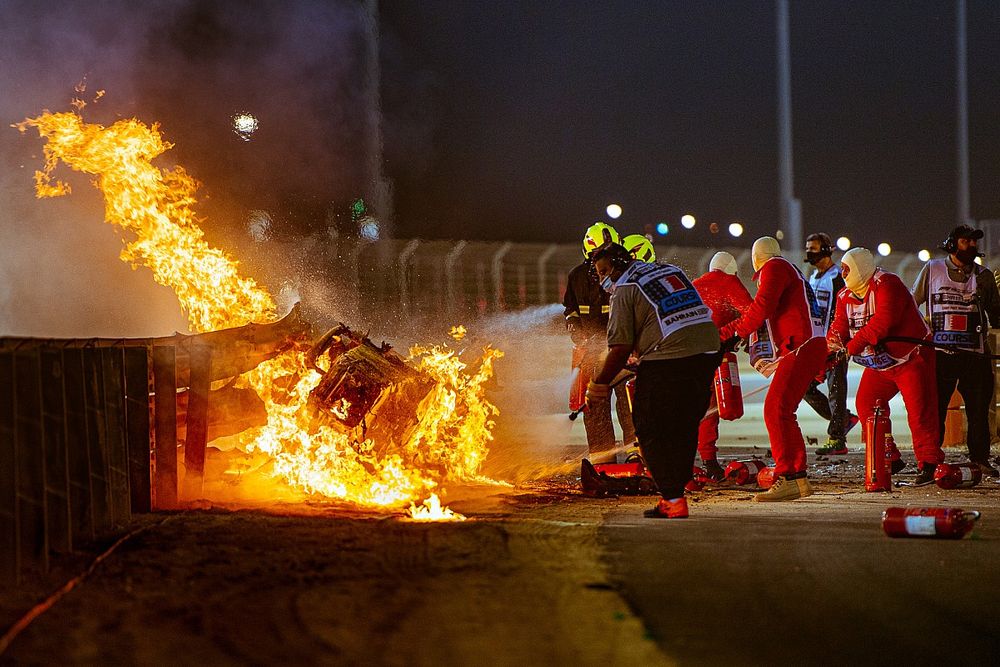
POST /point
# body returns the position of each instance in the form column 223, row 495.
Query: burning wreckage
column 340, row 418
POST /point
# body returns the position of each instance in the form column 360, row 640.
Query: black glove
column 730, row 344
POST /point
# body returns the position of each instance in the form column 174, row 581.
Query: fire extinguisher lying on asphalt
column 957, row 475
column 744, row 472
column 941, row 522
column 628, row 479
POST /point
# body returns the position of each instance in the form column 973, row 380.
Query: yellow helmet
column 597, row 235
column 640, row 247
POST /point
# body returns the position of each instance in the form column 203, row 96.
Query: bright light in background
column 779, row 235
column 687, row 221
column 368, row 228
column 736, row 229
column 924, row 255
column 245, row 124
column 614, row 211
column 844, row 243
column 884, row 249
column 662, row 228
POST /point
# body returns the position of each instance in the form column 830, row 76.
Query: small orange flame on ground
column 458, row 333
column 431, row 510
column 154, row 210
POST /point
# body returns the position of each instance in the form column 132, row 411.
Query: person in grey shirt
column 962, row 302
column 658, row 316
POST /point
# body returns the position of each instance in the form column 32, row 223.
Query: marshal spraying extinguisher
column 878, row 475
column 728, row 393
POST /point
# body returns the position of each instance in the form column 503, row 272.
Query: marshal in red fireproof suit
column 874, row 306
column 723, row 292
column 787, row 341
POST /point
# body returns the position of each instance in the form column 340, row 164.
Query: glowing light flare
column 662, row 228
column 736, row 229
column 614, row 211
column 924, row 255
column 431, row 510
column 844, row 243
column 244, row 125
column 688, row 221
column 884, row 249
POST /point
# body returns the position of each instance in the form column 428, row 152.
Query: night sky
column 522, row 120
column 549, row 111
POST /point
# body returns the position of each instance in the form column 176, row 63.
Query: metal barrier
column 74, row 446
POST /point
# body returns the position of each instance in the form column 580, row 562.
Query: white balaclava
column 723, row 261
column 764, row 249
column 861, row 267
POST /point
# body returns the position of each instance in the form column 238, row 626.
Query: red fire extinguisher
column 744, row 472
column 878, row 475
column 942, row 522
column 958, row 475
column 728, row 393
column 699, row 478
column 765, row 478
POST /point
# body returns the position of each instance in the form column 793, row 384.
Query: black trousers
column 974, row 377
column 671, row 397
column 832, row 408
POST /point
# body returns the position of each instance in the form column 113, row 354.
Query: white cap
column 861, row 268
column 764, row 249
column 723, row 261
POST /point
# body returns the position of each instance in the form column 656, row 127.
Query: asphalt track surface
column 811, row 582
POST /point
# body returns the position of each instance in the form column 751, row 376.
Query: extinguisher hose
column 937, row 346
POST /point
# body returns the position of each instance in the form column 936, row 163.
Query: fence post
column 497, row 267
column 137, row 381
column 404, row 261
column 449, row 272
column 543, row 260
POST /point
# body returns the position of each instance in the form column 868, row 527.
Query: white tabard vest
column 826, row 298
column 955, row 316
column 858, row 314
column 763, row 355
column 668, row 290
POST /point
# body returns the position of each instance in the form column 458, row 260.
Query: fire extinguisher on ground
column 957, row 475
column 941, row 522
column 728, row 393
column 878, row 475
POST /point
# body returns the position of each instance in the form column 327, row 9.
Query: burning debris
column 342, row 418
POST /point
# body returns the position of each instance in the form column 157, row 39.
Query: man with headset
column 962, row 302
column 826, row 282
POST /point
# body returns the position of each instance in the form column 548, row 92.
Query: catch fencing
column 454, row 279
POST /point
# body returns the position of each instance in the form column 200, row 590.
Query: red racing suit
column 891, row 368
column 728, row 298
column 787, row 340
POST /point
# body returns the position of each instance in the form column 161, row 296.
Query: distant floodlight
column 924, row 255
column 368, row 228
column 662, row 229
column 844, row 243
column 884, row 249
column 779, row 235
column 614, row 211
column 688, row 221
column 736, row 229
column 245, row 124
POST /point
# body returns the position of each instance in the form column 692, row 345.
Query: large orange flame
column 154, row 208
